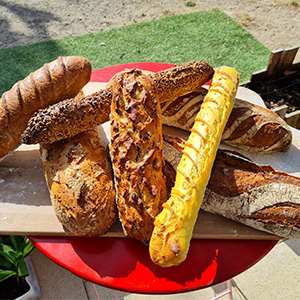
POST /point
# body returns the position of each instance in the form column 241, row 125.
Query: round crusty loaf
column 80, row 182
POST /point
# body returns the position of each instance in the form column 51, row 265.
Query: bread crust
column 249, row 127
column 57, row 121
column 60, row 79
column 79, row 178
column 68, row 118
column 254, row 128
column 136, row 153
column 173, row 227
column 243, row 191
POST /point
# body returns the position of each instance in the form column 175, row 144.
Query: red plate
column 124, row 264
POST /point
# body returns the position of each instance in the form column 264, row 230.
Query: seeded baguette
column 60, row 79
column 72, row 116
column 173, row 227
column 136, row 153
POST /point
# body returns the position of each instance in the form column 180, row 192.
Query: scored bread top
column 58, row 122
column 174, row 225
column 60, row 79
column 136, row 152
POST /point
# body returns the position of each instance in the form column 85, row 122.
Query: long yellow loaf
column 173, row 227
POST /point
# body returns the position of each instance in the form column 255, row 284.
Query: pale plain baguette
column 79, row 178
column 60, row 79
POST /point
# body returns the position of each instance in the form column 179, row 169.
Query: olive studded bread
column 136, row 153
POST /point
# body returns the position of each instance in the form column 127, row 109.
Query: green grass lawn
column 211, row 36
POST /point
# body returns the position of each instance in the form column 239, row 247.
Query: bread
column 254, row 128
column 79, row 177
column 257, row 196
column 181, row 79
column 73, row 116
column 136, row 153
column 68, row 118
column 55, row 81
column 173, row 227
column 249, row 127
column 243, row 191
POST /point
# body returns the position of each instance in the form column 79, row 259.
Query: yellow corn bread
column 173, row 227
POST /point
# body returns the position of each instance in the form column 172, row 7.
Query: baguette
column 257, row 196
column 136, row 153
column 255, row 128
column 55, row 81
column 72, row 116
column 243, row 191
column 173, row 227
column 79, row 178
column 249, row 127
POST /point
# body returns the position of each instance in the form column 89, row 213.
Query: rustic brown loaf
column 254, row 128
column 136, row 153
column 72, row 116
column 55, row 81
column 241, row 190
column 250, row 127
column 79, row 178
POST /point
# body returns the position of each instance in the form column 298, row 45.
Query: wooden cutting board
column 25, row 206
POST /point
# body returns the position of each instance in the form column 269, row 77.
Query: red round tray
column 124, row 264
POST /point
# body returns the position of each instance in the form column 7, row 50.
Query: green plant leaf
column 8, row 253
column 5, row 264
column 28, row 247
column 12, row 257
column 17, row 242
column 4, row 274
column 22, row 269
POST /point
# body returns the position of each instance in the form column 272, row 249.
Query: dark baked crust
column 254, row 128
column 68, row 118
column 136, row 153
column 241, row 190
column 249, row 127
column 181, row 79
column 57, row 121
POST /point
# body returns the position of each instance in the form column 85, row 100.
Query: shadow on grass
column 24, row 59
column 211, row 36
column 34, row 20
column 21, row 58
